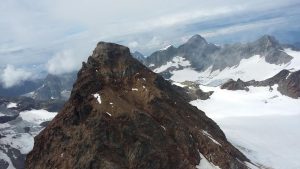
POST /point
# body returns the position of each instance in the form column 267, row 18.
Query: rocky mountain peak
column 122, row 115
column 113, row 59
column 197, row 39
column 109, row 53
column 268, row 41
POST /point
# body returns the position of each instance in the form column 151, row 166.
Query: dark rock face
column 161, row 57
column 235, row 85
column 269, row 47
column 137, row 121
column 203, row 55
column 291, row 85
column 55, row 87
column 288, row 83
column 50, row 88
column 192, row 91
column 198, row 51
column 5, row 119
column 139, row 56
column 277, row 79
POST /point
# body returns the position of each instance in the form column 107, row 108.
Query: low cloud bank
column 11, row 76
column 63, row 62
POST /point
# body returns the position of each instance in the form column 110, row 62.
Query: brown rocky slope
column 121, row 115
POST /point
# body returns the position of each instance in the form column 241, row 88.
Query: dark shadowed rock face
column 191, row 91
column 55, row 87
column 235, row 85
column 122, row 115
column 291, row 85
column 139, row 56
column 161, row 57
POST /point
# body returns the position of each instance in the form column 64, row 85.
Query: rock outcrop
column 122, row 115
column 191, row 91
column 235, row 85
column 291, row 85
column 288, row 83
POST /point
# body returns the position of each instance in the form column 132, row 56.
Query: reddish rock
column 138, row 122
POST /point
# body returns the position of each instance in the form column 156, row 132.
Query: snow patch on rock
column 175, row 62
column 98, row 97
column 209, row 136
column 11, row 105
column 205, row 164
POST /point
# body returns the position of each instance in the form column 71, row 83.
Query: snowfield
column 176, row 62
column 263, row 124
column 37, row 116
column 253, row 68
column 17, row 138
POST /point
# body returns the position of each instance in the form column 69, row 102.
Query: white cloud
column 242, row 27
column 133, row 44
column 12, row 76
column 154, row 42
column 42, row 28
column 185, row 17
column 63, row 62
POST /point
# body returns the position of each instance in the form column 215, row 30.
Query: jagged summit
column 267, row 42
column 109, row 53
column 203, row 55
column 269, row 38
column 122, row 115
column 198, row 39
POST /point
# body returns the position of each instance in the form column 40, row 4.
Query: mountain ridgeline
column 122, row 115
column 203, row 55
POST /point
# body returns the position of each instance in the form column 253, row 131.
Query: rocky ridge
column 203, row 55
column 122, row 115
column 288, row 83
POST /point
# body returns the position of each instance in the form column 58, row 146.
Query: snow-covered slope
column 17, row 130
column 176, row 62
column 263, row 124
column 253, row 68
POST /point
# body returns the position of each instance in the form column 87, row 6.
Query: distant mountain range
column 203, row 55
column 53, row 87
column 210, row 64
column 199, row 71
column 197, row 56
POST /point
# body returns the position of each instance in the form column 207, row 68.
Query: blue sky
column 47, row 33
